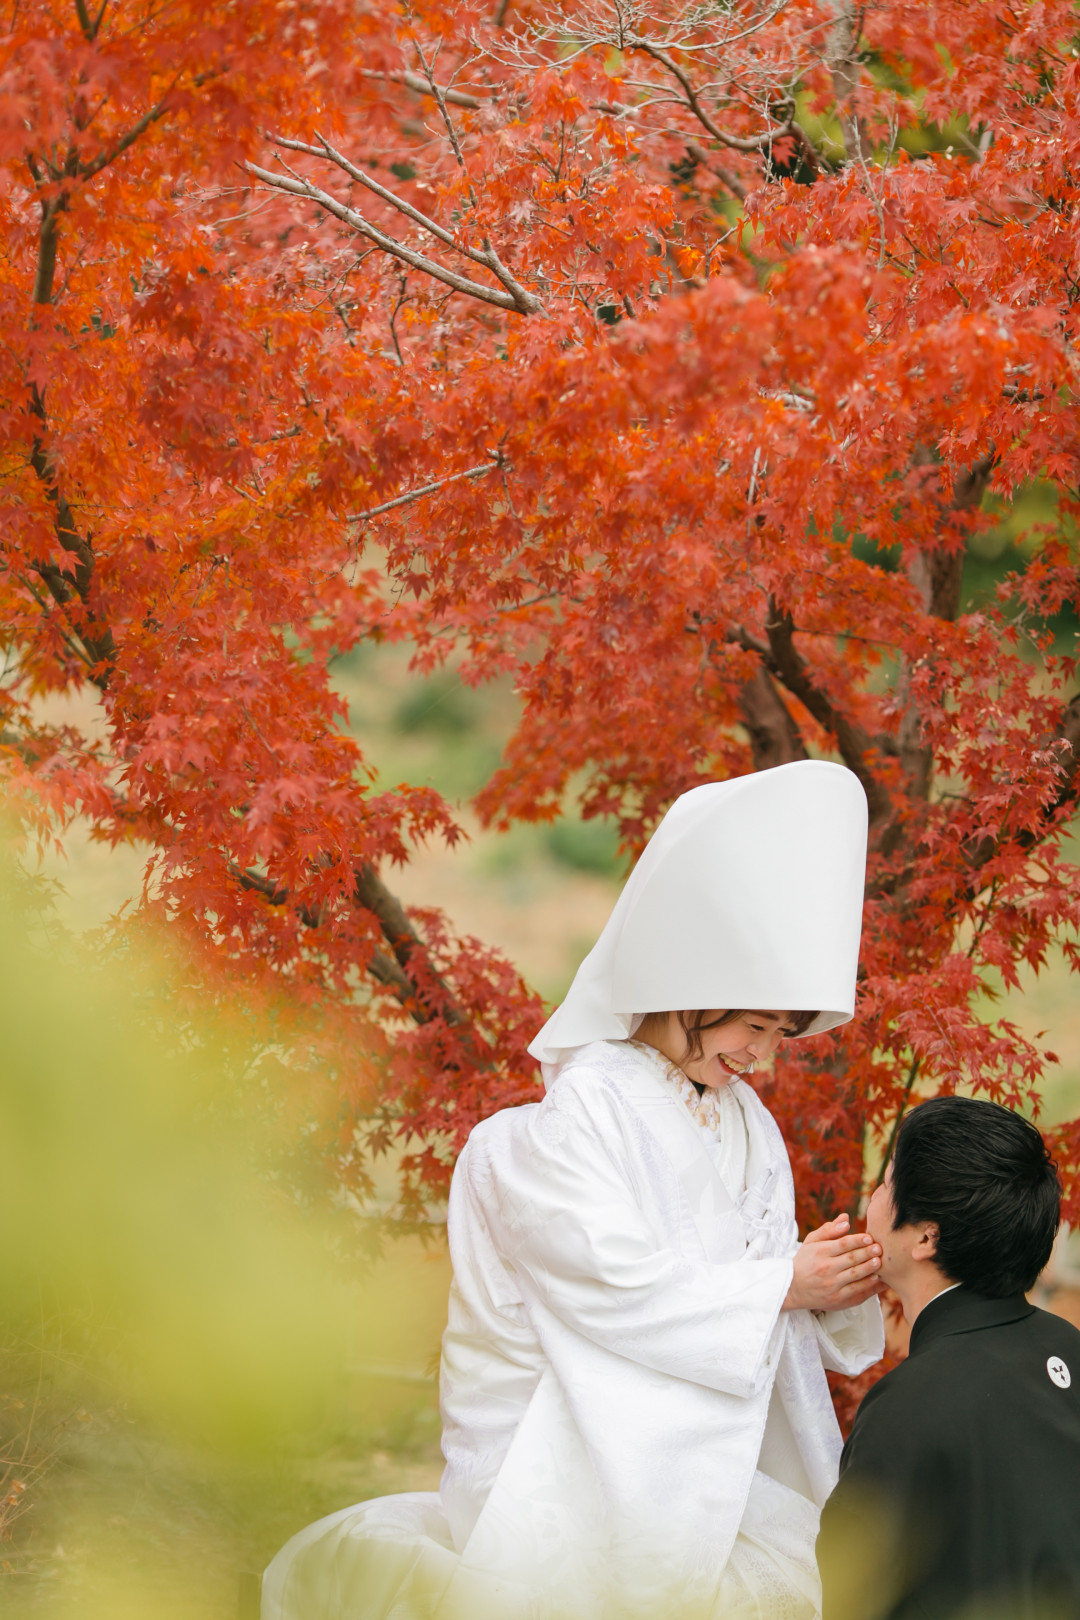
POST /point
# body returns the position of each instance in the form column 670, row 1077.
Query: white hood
column 749, row 894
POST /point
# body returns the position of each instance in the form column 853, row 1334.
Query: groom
column 959, row 1491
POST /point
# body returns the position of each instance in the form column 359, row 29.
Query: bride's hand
column 834, row 1269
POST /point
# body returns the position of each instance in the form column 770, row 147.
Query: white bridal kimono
column 632, row 1426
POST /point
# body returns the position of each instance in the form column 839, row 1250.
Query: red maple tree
column 667, row 358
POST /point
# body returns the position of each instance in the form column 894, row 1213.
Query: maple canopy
column 666, row 356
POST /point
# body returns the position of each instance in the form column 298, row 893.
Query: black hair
column 985, row 1176
column 694, row 1024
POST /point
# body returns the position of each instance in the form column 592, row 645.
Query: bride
column 636, row 1419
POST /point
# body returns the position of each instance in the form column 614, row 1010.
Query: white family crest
column 1059, row 1372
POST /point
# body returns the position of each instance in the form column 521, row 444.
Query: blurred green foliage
column 191, row 1366
column 435, row 728
column 585, row 846
column 126, row 1160
column 439, row 704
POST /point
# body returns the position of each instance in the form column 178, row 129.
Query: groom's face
column 880, row 1216
column 904, row 1249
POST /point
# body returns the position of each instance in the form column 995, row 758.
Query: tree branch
column 782, row 659
column 63, row 584
column 978, row 851
column 396, row 972
column 87, row 171
column 843, row 61
column 520, row 300
column 382, row 967
column 71, row 642
column 525, row 302
column 725, row 176
column 414, row 81
column 938, row 576
column 737, row 143
column 90, row 27
column 371, row 893
column 48, row 245
column 448, row 123
column 426, row 489
column 909, row 1083
column 331, row 154
column 774, row 737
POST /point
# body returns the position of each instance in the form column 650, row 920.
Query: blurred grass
column 125, row 1516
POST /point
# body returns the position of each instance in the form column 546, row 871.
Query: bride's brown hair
column 693, row 1025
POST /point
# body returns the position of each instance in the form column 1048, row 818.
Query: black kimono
column 959, row 1489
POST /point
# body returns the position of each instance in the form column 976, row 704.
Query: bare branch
column 426, row 489
column 511, row 295
column 488, row 255
column 414, row 81
column 738, row 143
column 402, row 204
column 794, row 402
column 436, row 90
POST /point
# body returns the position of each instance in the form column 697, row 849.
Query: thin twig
column 738, row 143
column 413, row 81
column 425, row 489
column 512, row 295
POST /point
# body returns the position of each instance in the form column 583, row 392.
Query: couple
column 636, row 1417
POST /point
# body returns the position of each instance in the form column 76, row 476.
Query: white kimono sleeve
column 576, row 1234
column 851, row 1340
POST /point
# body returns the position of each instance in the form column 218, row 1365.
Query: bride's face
column 730, row 1050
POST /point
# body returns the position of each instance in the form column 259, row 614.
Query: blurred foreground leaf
column 131, row 1199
